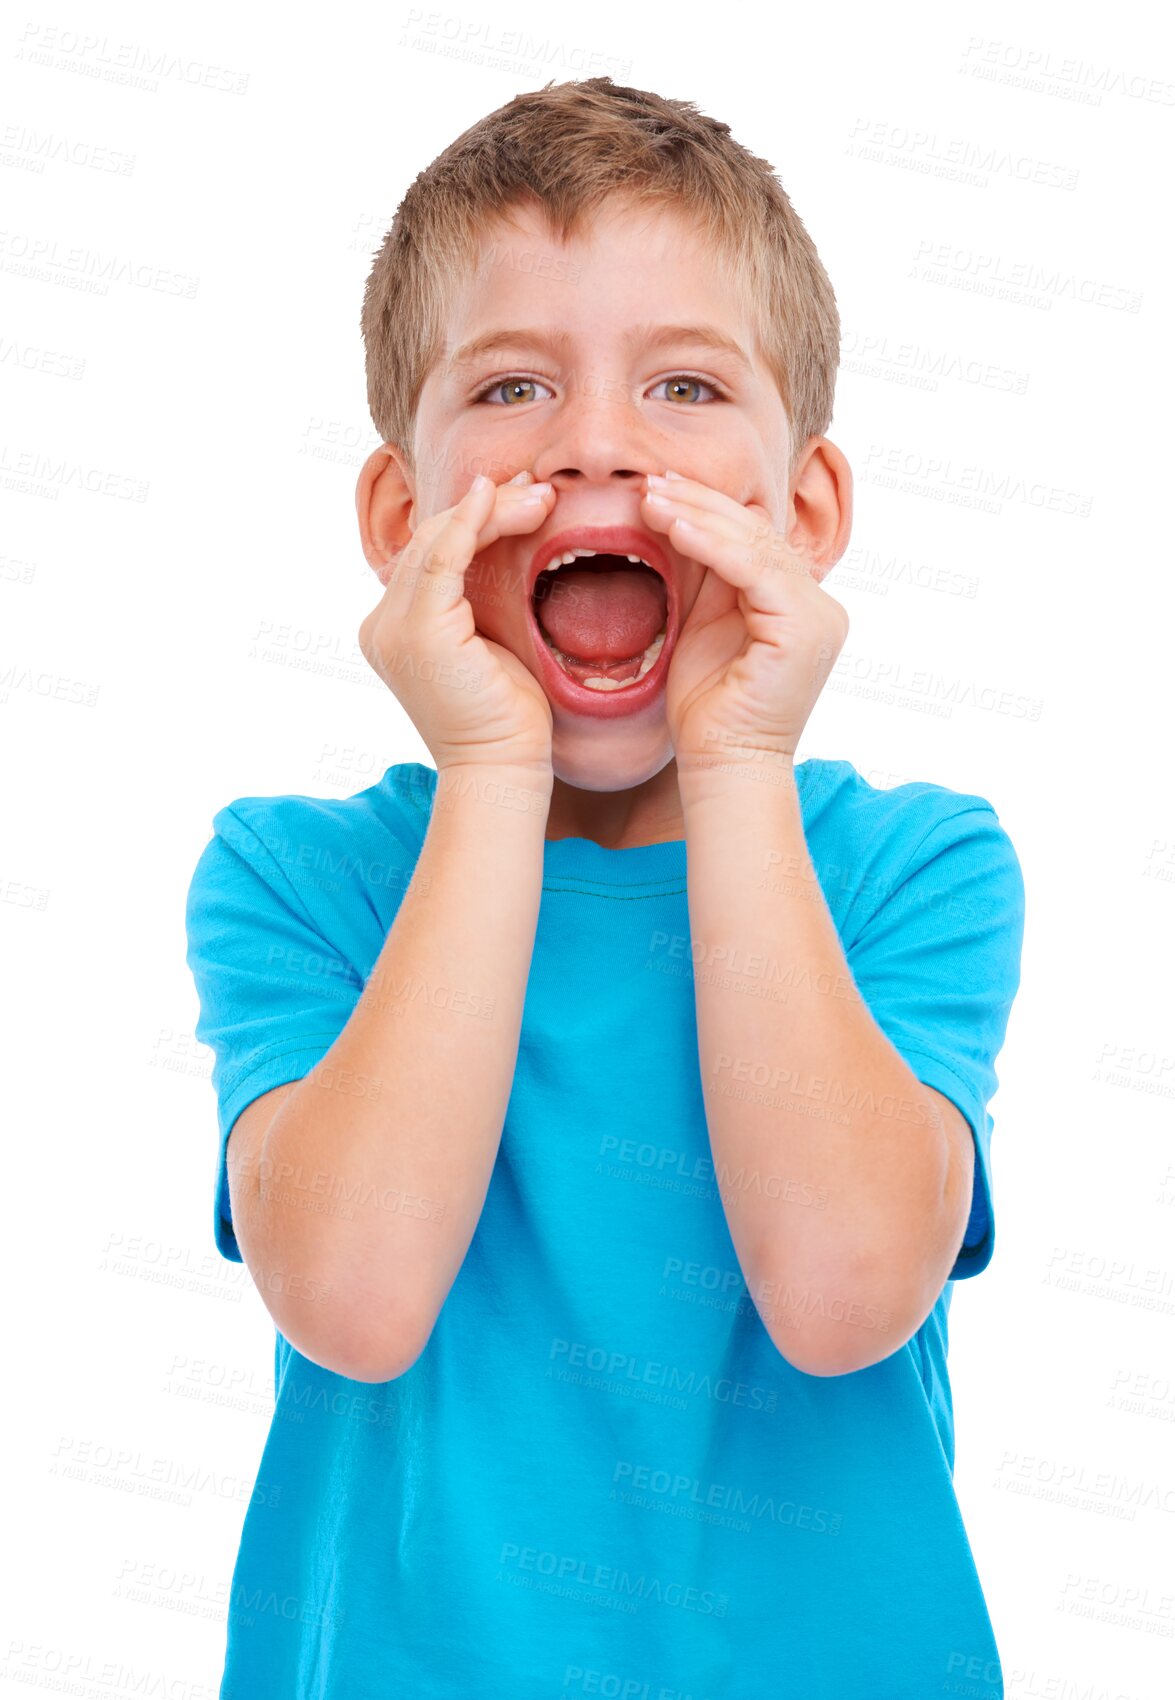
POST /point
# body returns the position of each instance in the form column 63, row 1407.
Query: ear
column 821, row 505
column 384, row 503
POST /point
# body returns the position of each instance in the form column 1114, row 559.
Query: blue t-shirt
column 601, row 1477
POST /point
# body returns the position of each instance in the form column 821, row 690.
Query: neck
column 619, row 820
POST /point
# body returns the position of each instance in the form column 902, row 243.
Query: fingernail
column 523, row 477
column 481, row 482
column 669, row 474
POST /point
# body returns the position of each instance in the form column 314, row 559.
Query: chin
column 610, row 756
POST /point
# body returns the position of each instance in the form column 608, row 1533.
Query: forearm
column 830, row 1159
column 432, row 1043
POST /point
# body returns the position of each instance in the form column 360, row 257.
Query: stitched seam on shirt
column 814, row 784
column 307, row 1044
column 969, row 1248
column 269, row 856
column 944, row 820
column 568, row 882
column 289, row 885
column 930, row 1056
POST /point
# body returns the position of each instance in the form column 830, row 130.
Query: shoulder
column 313, row 853
column 843, row 797
column 868, row 840
column 295, row 831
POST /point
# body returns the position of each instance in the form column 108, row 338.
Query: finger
column 428, row 578
column 691, row 501
column 396, row 620
column 754, row 559
column 430, row 570
column 693, row 493
column 433, row 562
column 512, row 509
column 751, row 522
column 712, row 505
column 516, row 511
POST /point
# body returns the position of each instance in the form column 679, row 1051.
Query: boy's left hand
column 760, row 640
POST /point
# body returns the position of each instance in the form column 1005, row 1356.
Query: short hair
column 566, row 149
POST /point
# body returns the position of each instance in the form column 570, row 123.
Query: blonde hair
column 566, row 148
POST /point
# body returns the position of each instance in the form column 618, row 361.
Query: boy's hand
column 471, row 700
column 759, row 642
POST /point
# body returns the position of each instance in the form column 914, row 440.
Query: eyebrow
column 556, row 343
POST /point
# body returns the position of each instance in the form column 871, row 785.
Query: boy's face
column 589, row 391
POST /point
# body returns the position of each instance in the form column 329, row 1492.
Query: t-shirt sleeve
column 274, row 994
column 938, row 963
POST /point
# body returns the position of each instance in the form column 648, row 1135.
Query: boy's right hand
column 471, row 700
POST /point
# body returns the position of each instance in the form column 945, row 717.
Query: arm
column 848, row 1247
column 372, row 1196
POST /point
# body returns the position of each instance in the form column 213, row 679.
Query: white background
column 181, row 586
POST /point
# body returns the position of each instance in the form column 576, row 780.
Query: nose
column 598, row 436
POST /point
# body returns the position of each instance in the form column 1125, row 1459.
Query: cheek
column 741, row 470
column 494, row 592
column 469, row 447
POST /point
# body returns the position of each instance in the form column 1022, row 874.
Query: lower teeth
column 599, row 682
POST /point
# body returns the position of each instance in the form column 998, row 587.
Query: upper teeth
column 566, row 559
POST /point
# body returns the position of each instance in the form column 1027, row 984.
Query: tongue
column 602, row 614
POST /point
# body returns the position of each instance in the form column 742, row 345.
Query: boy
column 608, row 1101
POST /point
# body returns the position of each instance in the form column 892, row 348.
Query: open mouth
column 603, row 616
column 603, row 604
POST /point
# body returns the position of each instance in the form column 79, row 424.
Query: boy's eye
column 512, row 390
column 685, row 380
column 510, row 386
